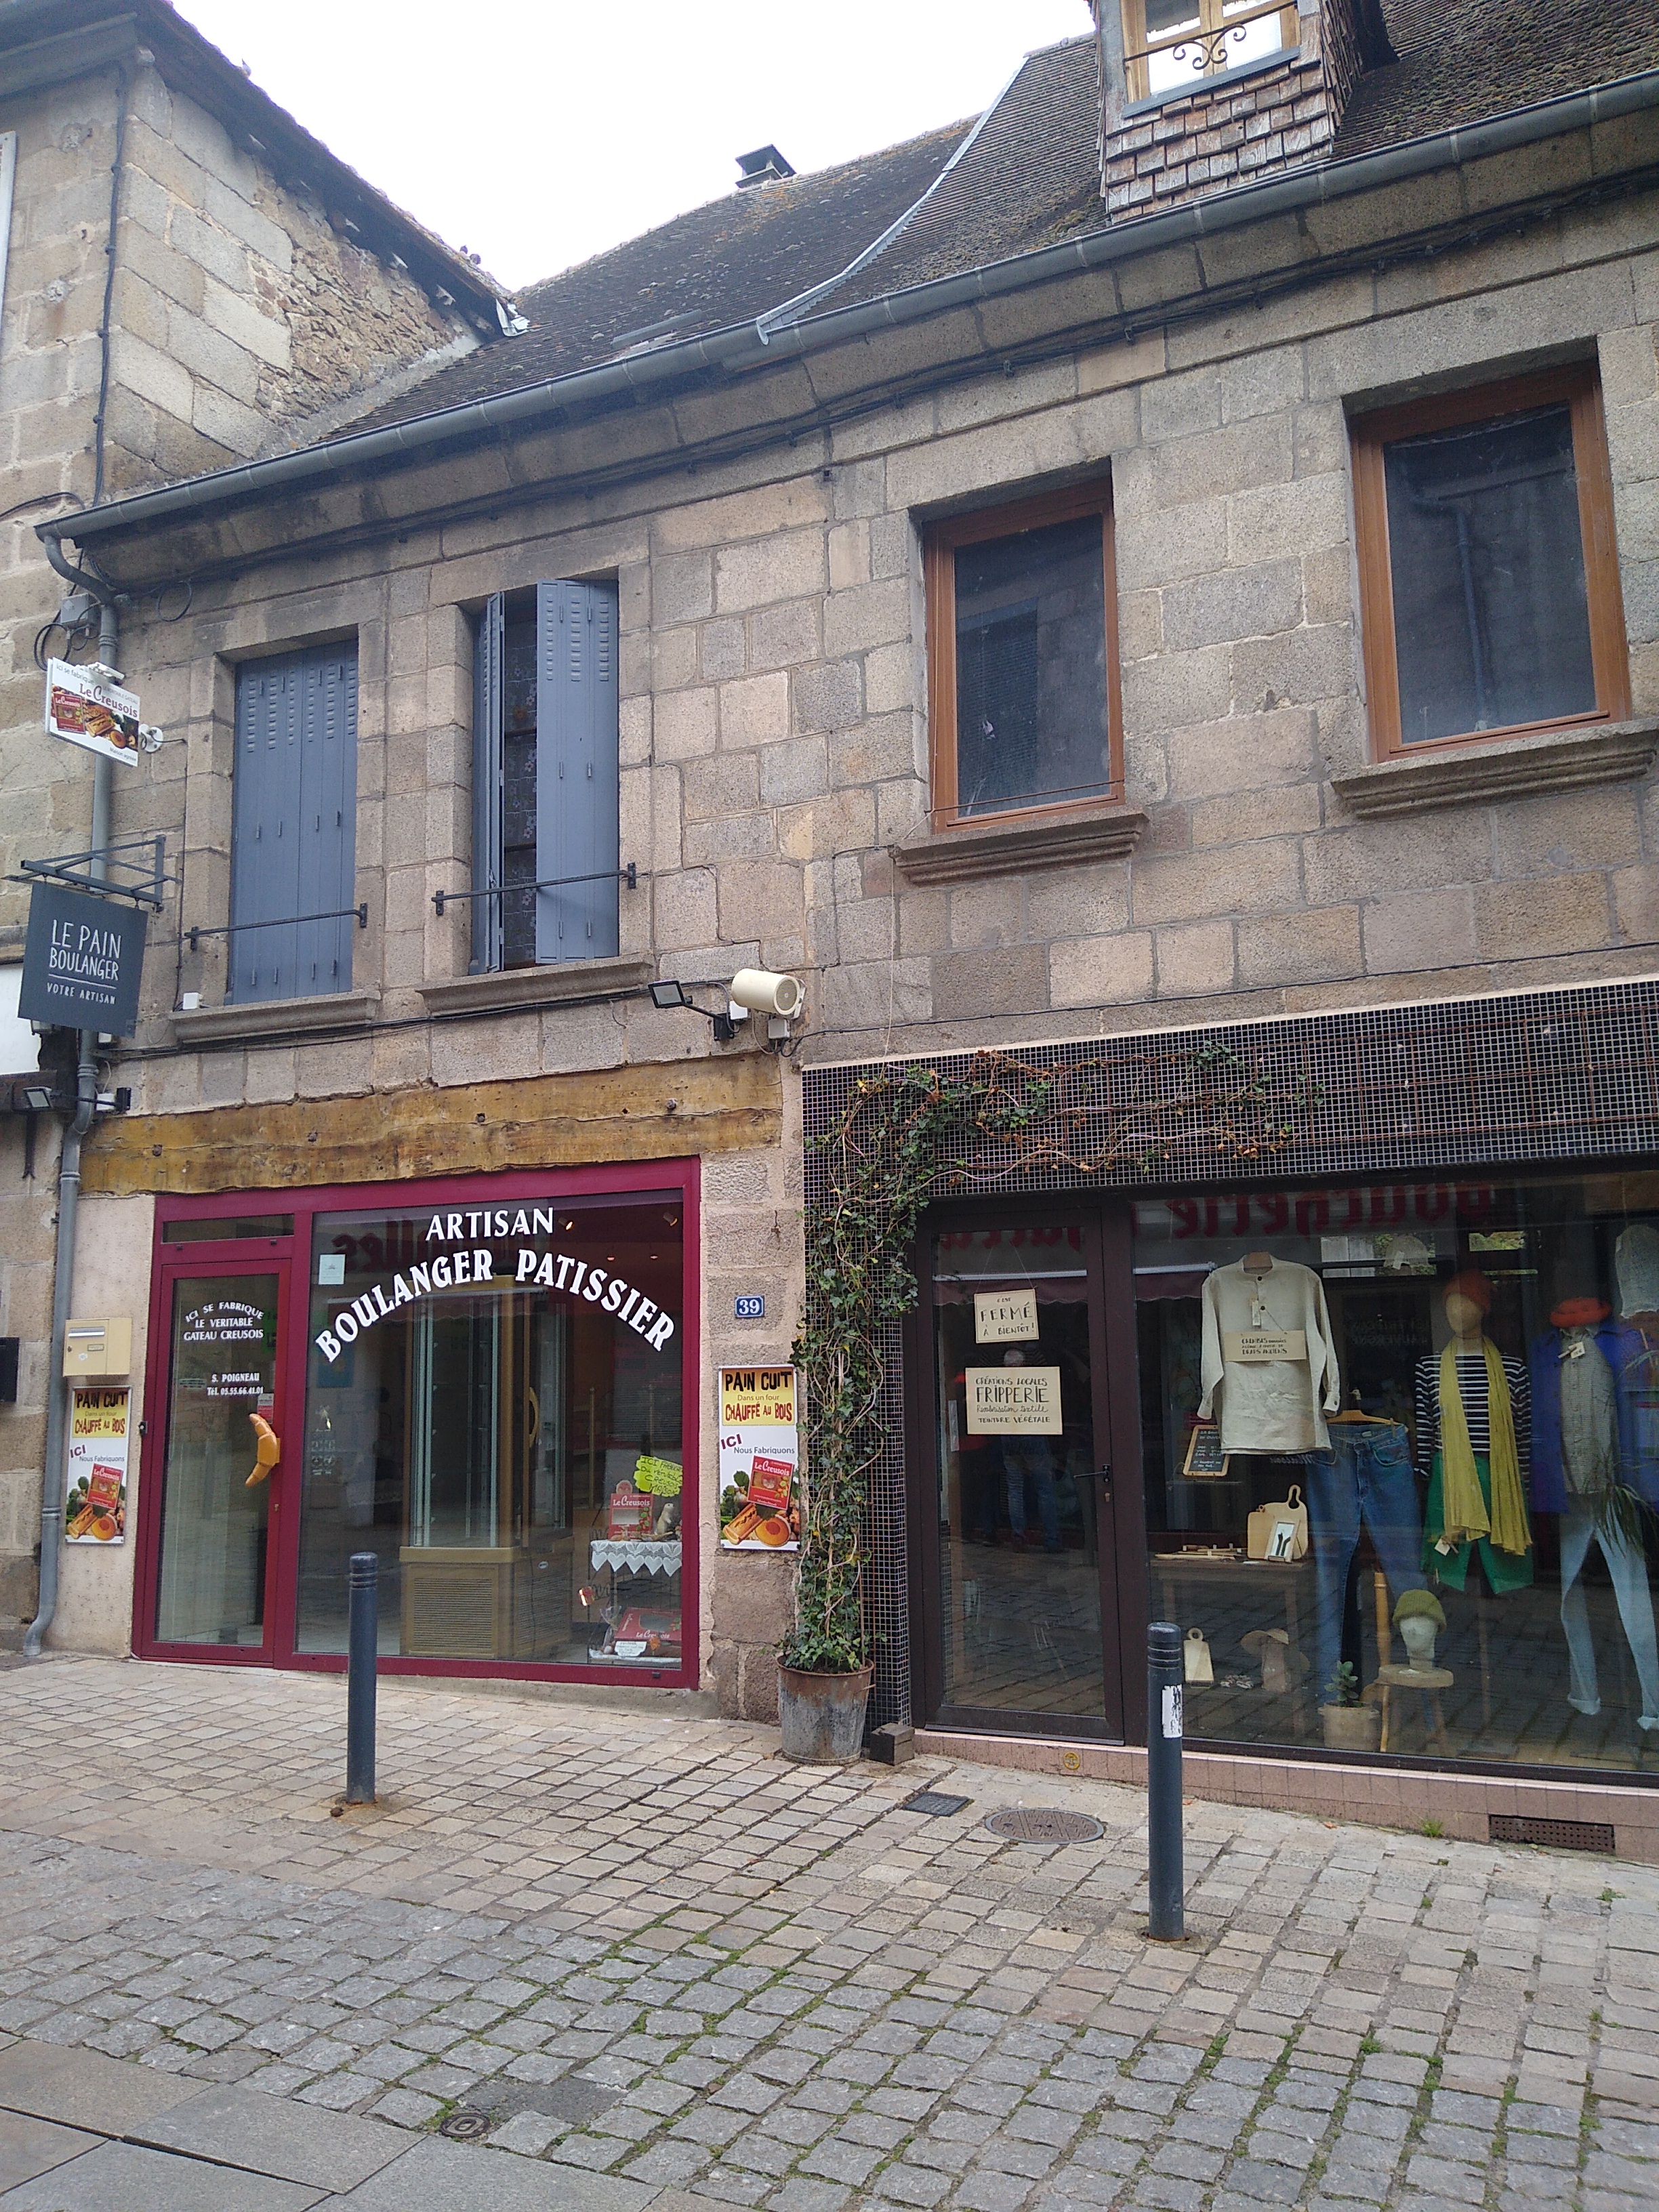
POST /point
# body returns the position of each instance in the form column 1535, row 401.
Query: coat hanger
column 1353, row 1415
column 1257, row 1263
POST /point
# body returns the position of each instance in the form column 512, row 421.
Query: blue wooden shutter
column 488, row 692
column 294, row 808
column 576, row 770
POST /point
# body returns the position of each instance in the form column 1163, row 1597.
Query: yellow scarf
column 1462, row 1508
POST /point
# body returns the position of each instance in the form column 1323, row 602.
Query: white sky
column 538, row 133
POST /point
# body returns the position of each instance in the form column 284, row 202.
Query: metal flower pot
column 822, row 1716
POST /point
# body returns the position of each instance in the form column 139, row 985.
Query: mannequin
column 1590, row 1376
column 1473, row 1437
column 1268, row 1348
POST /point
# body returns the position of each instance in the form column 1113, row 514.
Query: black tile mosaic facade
column 1527, row 1078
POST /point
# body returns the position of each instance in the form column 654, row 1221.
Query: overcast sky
column 538, row 133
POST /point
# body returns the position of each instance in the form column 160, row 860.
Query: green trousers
column 1504, row 1572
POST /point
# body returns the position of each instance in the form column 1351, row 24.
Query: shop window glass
column 1172, row 45
column 1401, row 1457
column 494, row 1406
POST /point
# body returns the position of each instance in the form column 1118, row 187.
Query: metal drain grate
column 466, row 2126
column 938, row 1803
column 1558, row 1835
column 1042, row 1824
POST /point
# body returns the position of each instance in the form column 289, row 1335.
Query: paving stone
column 331, row 2150
column 117, row 2177
column 83, row 2088
column 28, row 2147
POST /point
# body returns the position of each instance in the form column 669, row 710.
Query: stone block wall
column 240, row 307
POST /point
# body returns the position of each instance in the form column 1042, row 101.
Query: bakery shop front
column 489, row 1382
column 1383, row 1444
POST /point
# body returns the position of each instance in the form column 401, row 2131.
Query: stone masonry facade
column 237, row 309
column 774, row 713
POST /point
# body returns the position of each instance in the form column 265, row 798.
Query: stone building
column 185, row 274
column 1145, row 604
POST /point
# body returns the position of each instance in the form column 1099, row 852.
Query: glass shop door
column 211, row 1521
column 1015, row 1497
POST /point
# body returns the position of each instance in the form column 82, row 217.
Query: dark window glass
column 220, row 1232
column 1031, row 723
column 519, row 798
column 1492, row 617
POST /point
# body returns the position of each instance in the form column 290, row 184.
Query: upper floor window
column 1170, row 45
column 545, row 778
column 1022, row 614
column 293, row 826
column 1489, row 577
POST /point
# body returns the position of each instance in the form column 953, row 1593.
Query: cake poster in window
column 759, row 1459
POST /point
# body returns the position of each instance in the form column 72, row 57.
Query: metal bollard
column 362, row 1647
column 1165, row 1875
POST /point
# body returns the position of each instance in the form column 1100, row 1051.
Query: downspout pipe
column 53, row 1471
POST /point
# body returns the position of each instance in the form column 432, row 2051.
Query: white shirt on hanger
column 1268, row 1404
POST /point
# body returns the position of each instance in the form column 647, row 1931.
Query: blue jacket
column 1637, row 1381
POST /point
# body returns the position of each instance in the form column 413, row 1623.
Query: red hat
column 1471, row 1284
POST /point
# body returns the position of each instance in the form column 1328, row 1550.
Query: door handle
column 1103, row 1475
column 267, row 1450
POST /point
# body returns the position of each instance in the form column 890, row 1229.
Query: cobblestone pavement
column 647, row 1947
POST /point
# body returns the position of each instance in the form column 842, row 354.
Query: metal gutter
column 740, row 345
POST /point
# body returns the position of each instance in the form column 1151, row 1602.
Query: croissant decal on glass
column 267, row 1450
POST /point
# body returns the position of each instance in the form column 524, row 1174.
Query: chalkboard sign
column 1206, row 1461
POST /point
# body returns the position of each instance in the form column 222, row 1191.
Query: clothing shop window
column 1172, row 45
column 1489, row 576
column 1022, row 615
column 1401, row 1457
column 545, row 851
column 293, row 826
column 494, row 1405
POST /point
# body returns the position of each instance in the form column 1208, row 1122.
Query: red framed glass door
column 214, row 1572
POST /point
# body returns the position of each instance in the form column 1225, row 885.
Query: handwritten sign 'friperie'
column 1014, row 1402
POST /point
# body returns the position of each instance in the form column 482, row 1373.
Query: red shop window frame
column 291, row 1256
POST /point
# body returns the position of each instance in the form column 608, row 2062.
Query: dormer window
column 1173, row 46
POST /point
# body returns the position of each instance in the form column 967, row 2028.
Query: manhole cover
column 1042, row 1824
column 938, row 1803
column 465, row 2125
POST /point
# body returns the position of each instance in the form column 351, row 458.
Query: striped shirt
column 1472, row 1390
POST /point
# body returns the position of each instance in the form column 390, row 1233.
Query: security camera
column 757, row 991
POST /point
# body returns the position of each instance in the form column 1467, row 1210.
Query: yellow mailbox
column 98, row 1348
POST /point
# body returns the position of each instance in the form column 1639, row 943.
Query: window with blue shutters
column 544, row 778
column 294, row 802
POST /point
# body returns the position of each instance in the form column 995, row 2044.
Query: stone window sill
column 512, row 990
column 275, row 1017
column 1553, row 760
column 1020, row 843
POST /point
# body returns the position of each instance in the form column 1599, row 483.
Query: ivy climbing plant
column 906, row 1136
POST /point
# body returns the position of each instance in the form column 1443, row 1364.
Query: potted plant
column 1349, row 1725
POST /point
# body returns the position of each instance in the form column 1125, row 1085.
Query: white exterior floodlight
column 757, row 991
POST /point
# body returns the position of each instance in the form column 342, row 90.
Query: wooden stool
column 1431, row 1679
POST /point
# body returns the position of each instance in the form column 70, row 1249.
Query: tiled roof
column 1025, row 176
column 723, row 264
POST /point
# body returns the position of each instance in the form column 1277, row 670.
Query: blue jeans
column 1365, row 1475
column 1031, row 1456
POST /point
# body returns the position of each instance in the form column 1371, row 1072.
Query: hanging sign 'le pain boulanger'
column 472, row 1263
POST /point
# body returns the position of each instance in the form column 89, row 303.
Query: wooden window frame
column 941, row 544
column 1580, row 387
column 1214, row 22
